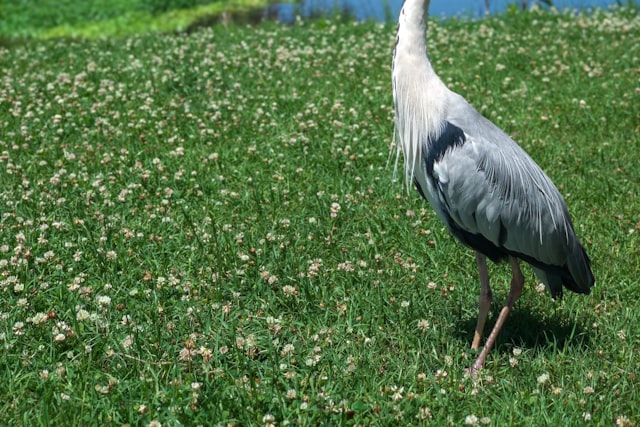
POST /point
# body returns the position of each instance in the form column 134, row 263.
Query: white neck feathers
column 419, row 95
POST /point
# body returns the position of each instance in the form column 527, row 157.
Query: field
column 204, row 229
column 104, row 18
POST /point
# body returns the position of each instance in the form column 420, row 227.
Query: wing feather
column 497, row 200
column 489, row 186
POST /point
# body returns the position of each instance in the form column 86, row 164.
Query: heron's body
column 491, row 195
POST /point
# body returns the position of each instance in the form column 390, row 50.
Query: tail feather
column 580, row 278
column 576, row 275
column 552, row 281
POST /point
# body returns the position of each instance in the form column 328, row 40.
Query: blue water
column 382, row 10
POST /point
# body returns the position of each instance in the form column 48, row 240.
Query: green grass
column 104, row 18
column 203, row 229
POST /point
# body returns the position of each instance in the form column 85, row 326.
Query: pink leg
column 484, row 303
column 517, row 282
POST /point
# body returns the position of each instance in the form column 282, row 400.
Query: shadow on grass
column 529, row 329
column 10, row 42
column 251, row 17
column 257, row 16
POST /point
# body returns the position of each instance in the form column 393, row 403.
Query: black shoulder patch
column 452, row 136
column 478, row 242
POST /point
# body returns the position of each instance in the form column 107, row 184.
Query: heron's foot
column 477, row 340
column 475, row 368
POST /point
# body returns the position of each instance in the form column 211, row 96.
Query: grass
column 105, row 18
column 203, row 229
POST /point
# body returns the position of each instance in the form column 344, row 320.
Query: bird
column 490, row 194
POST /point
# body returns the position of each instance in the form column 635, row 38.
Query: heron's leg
column 517, row 282
column 484, row 303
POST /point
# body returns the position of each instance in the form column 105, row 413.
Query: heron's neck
column 420, row 97
column 411, row 44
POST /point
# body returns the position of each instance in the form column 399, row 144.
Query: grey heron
column 486, row 189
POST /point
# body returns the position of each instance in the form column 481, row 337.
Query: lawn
column 204, row 229
column 105, row 18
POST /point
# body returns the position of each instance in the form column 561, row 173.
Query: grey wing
column 498, row 192
column 497, row 200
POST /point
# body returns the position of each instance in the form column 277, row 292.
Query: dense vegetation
column 99, row 18
column 204, row 229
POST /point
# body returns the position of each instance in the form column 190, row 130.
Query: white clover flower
column 543, row 378
column 103, row 301
column 471, row 420
column 82, row 315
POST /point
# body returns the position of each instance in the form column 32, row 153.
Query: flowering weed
column 203, row 229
